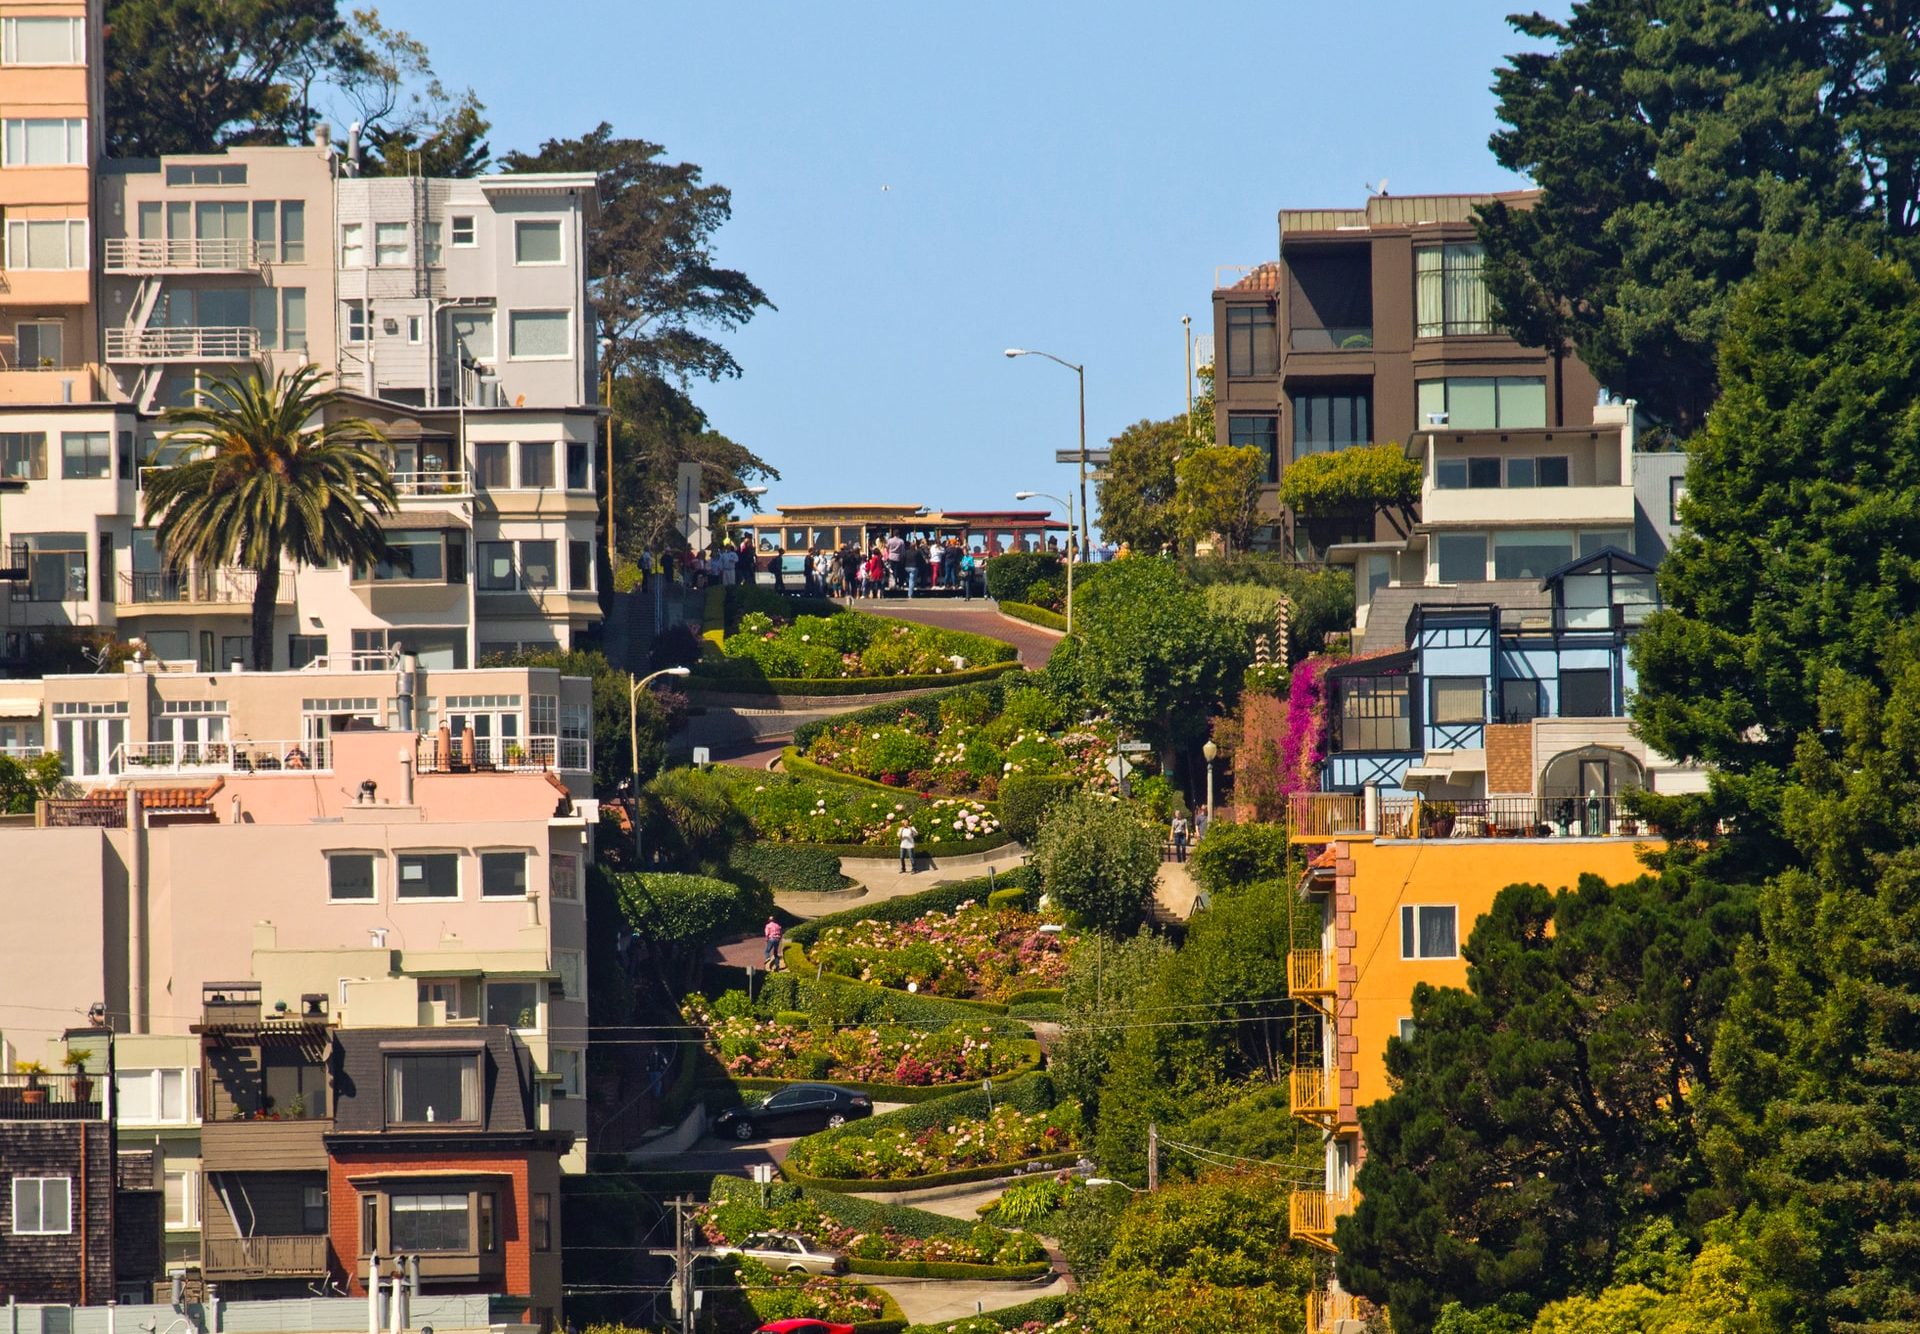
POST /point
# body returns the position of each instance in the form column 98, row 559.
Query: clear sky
column 920, row 185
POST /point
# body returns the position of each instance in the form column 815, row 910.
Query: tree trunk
column 266, row 592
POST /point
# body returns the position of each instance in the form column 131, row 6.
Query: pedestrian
column 967, row 564
column 773, row 934
column 729, row 566
column 956, row 552
column 823, row 570
column 907, row 835
column 850, row 564
column 646, row 569
column 1201, row 819
column 936, row 557
column 876, row 573
column 896, row 553
column 1179, row 835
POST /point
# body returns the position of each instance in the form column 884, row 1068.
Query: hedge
column 1011, row 575
column 1038, row 1012
column 795, row 957
column 703, row 680
column 882, row 851
column 1013, row 896
column 1040, row 616
column 713, row 608
column 793, row 762
column 909, row 1093
column 789, row 866
column 1041, row 1310
column 840, row 1000
column 949, row 1269
column 910, row 907
column 1051, row 1162
column 1024, row 799
column 926, row 707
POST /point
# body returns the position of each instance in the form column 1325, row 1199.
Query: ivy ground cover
column 752, row 1047
column 972, row 953
column 893, row 1152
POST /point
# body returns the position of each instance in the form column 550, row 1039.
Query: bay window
column 1450, row 293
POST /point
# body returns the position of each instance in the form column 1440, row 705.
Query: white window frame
column 459, row 876
column 39, row 1185
column 454, row 230
column 18, row 251
column 540, row 1001
column 76, row 41
column 415, row 330
column 559, row 230
column 526, row 867
column 358, row 244
column 381, row 248
column 156, row 1081
column 355, row 325
column 75, row 135
column 1404, row 1029
column 1410, row 913
column 566, row 318
column 374, row 855
column 189, row 1200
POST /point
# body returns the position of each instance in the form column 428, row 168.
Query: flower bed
column 1006, row 1136
column 974, row 953
column 815, row 811
column 752, row 1047
column 775, row 1296
column 849, row 644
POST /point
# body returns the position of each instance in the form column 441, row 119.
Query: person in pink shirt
column 773, row 934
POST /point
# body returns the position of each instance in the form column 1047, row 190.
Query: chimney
column 323, row 137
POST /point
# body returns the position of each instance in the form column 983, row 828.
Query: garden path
column 1174, row 893
column 932, row 1301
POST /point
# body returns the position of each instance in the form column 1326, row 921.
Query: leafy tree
column 654, row 283
column 24, row 782
column 410, row 124
column 1099, row 860
column 1136, row 492
column 1106, row 981
column 1372, row 480
column 1233, row 856
column 688, row 818
column 1146, row 649
column 1545, row 1111
column 1803, row 514
column 1219, row 494
column 1320, row 599
column 681, row 917
column 1678, row 149
column 257, row 484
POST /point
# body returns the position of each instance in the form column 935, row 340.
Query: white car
column 788, row 1252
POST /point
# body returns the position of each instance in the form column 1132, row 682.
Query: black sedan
column 799, row 1109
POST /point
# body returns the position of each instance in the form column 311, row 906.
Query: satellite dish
column 1380, row 189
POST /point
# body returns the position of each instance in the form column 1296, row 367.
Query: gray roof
column 1393, row 605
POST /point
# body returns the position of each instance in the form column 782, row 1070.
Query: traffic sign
column 1096, row 458
column 1136, row 748
column 1119, row 769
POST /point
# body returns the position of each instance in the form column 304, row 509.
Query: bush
column 1239, row 854
column 626, row 577
column 849, row 644
column 1043, row 1311
column 929, row 708
column 687, row 817
column 908, row 907
column 1010, row 576
column 1025, row 800
column 750, row 682
column 1040, row 616
column 1013, row 896
column 1099, row 860
column 788, row 866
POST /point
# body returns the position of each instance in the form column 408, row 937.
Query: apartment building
column 1374, row 323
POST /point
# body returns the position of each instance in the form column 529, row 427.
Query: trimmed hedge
column 926, row 707
column 1040, row 616
column 1037, row 996
column 909, row 1093
column 705, row 681
column 793, row 761
column 1039, row 1012
column 844, row 1001
column 880, row 851
column 908, row 907
column 1013, row 896
column 1024, row 799
column 1052, row 1162
column 789, row 866
column 1041, row 1310
column 1010, row 576
column 949, row 1269
column 796, row 959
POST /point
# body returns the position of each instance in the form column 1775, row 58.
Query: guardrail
column 135, row 758
column 133, row 254
column 52, row 1097
column 535, row 754
column 1320, row 814
column 68, row 813
column 434, row 482
column 1506, row 817
column 264, row 1257
column 1310, row 973
column 1311, row 1215
column 226, row 585
column 190, row 343
column 1311, row 1092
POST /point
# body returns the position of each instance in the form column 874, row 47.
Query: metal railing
column 226, row 585
column 1506, row 817
column 67, row 813
column 190, row 343
column 1312, row 1092
column 52, row 1097
column 1310, row 973
column 22, row 752
column 1320, row 814
column 357, row 660
column 276, row 1257
column 433, row 482
column 1311, row 1215
column 222, row 757
column 1328, row 1308
column 535, row 754
column 136, row 254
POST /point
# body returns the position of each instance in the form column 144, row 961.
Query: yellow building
column 1394, row 912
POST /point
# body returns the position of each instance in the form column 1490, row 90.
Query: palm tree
column 264, row 478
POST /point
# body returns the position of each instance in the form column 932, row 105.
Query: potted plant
column 76, row 1061
column 33, row 1094
column 516, row 754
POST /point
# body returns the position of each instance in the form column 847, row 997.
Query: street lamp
column 1086, row 544
column 1212, row 752
column 633, row 739
column 1068, row 502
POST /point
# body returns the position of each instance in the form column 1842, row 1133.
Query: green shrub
column 724, row 678
column 1099, row 859
column 788, row 866
column 626, row 577
column 1026, row 1204
column 910, row 907
column 1043, row 593
column 1042, row 1311
column 1010, row 576
column 1239, row 854
column 928, row 708
column 1025, row 799
column 1040, row 616
column 1013, row 896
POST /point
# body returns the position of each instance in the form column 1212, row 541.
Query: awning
column 19, row 707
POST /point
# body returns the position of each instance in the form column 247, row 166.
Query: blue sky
column 918, row 186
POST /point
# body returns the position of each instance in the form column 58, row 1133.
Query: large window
column 1490, row 472
column 539, row 335
column 207, row 173
column 353, row 245
column 1259, row 431
column 352, row 877
column 1483, row 402
column 1375, row 714
column 46, row 142
column 1586, row 693
column 44, row 41
column 427, row 1222
column 182, row 1196
column 42, row 1206
column 1449, row 292
column 426, row 1088
column 1429, row 932
column 56, row 568
column 159, row 1096
column 390, row 244
column 58, row 243
column 1252, row 341
column 23, row 455
column 536, row 465
column 1530, row 555
column 1460, row 558
column 429, row 875
column 1332, row 420
column 493, row 467
column 537, row 242
column 86, row 454
column 416, row 556
column 514, row 1004
column 1519, row 701
column 494, row 562
column 1456, row 699
column 537, row 568
column 503, row 875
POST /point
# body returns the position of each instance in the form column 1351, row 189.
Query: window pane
column 503, row 875
column 293, row 323
column 514, row 1004
column 538, row 333
column 1251, row 340
column 429, row 875
column 353, row 245
column 537, row 565
column 389, row 243
column 428, row 1222
column 1520, row 472
column 1437, row 934
column 536, row 243
column 1471, row 405
column 1551, row 471
column 133, row 1094
column 536, row 465
column 1430, row 400
column 493, row 467
column 1519, row 701
column 1586, row 693
column 1450, row 474
column 1599, row 539
column 350, row 876
column 1530, row 555
column 293, row 231
column 1261, row 432
column 496, row 566
column 45, row 41
column 1406, row 933
column 1483, row 474
column 1458, row 699
column 1462, row 557
column 426, row 1087
column 1523, row 403
column 580, row 566
column 579, row 475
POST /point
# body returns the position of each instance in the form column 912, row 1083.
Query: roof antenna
column 1380, row 189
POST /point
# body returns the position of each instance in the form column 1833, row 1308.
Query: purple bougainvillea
column 1303, row 749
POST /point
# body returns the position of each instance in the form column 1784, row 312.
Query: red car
column 803, row 1326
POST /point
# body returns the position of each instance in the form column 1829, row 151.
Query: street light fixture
column 1212, row 752
column 634, row 687
column 1086, row 543
column 1068, row 502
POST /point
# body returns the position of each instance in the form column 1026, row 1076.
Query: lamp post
column 1212, row 752
column 1068, row 502
column 634, row 687
column 606, row 357
column 1086, row 544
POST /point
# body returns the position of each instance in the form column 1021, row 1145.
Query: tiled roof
column 161, row 798
column 1264, row 278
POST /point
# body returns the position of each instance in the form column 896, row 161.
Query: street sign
column 702, row 757
column 1096, row 458
column 1136, row 748
column 1119, row 769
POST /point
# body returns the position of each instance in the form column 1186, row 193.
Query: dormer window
column 433, row 1088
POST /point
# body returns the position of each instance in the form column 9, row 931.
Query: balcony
column 52, row 1097
column 225, row 1259
column 1507, row 817
column 127, row 254
column 1320, row 815
column 436, row 483
column 1547, row 506
column 1313, row 1093
column 191, row 343
column 1310, row 973
column 138, row 759
column 292, row 1144
column 536, row 754
column 1332, row 1310
column 228, row 586
column 1339, row 338
column 1311, row 1215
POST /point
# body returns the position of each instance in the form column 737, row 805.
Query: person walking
column 936, row 558
column 896, row 555
column 773, row 933
column 850, row 564
column 907, row 836
column 967, row 566
column 875, row 573
column 1179, row 836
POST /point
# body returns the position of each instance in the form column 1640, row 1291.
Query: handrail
column 534, row 754
column 1319, row 814
column 1506, row 817
column 247, row 756
column 434, row 482
column 1311, row 1093
column 1310, row 972
column 143, row 254
column 186, row 343
column 226, row 584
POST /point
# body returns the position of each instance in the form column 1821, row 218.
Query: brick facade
column 1509, row 759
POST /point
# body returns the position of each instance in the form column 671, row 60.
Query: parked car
column 804, row 1326
column 788, row 1252
column 799, row 1109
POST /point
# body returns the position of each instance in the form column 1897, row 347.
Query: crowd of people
column 895, row 564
